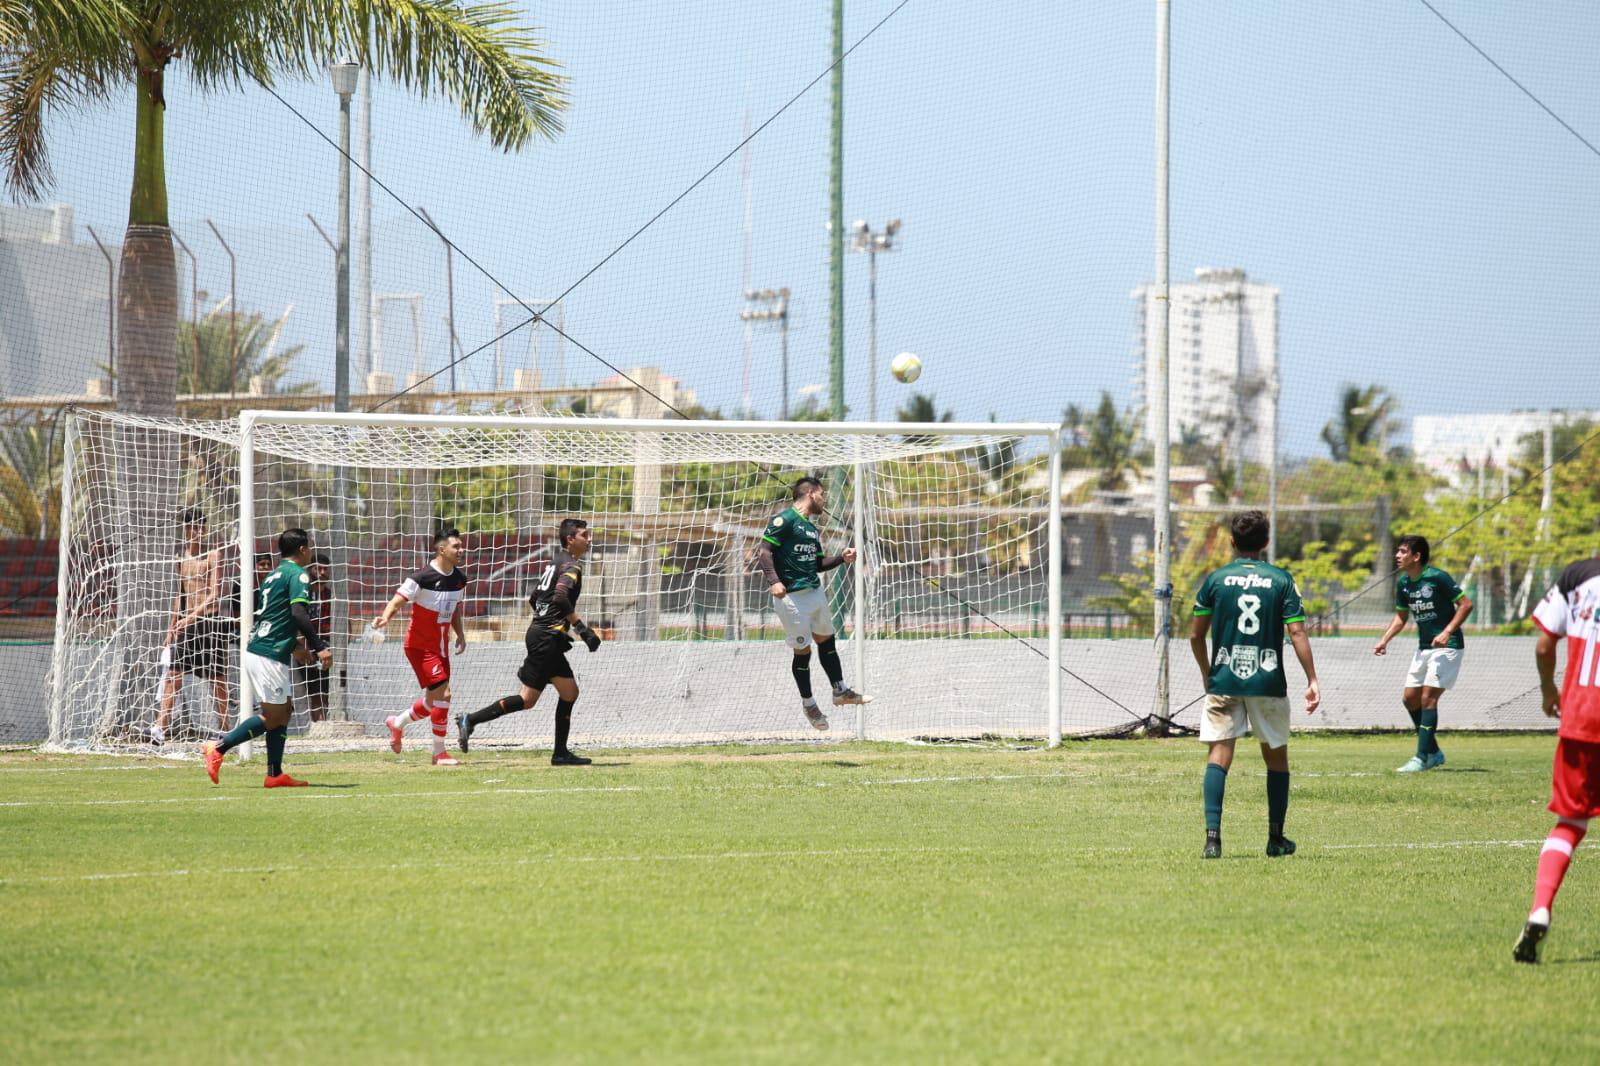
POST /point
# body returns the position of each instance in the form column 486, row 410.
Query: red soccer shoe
column 397, row 733
column 444, row 758
column 283, row 781
column 213, row 759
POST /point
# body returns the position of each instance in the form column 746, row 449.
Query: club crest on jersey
column 1244, row 660
column 778, row 521
column 1269, row 661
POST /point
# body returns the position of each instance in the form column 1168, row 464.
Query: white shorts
column 1435, row 668
column 1230, row 717
column 270, row 680
column 804, row 613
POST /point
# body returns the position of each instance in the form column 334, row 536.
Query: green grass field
column 854, row 903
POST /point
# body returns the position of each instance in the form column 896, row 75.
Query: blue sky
column 1429, row 227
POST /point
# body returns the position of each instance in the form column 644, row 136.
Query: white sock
column 809, row 701
column 157, row 735
column 839, row 686
column 438, row 745
column 1540, row 916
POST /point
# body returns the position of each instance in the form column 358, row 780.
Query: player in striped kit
column 435, row 593
column 1572, row 610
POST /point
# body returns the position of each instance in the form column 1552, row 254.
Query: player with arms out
column 435, row 593
column 1246, row 607
column 791, row 560
column 555, row 618
column 1429, row 596
column 283, row 619
column 1570, row 610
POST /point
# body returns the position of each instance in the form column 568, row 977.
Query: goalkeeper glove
column 586, row 635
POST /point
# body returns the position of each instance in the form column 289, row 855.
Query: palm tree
column 920, row 408
column 30, row 480
column 1365, row 420
column 206, row 352
column 1113, row 444
column 59, row 53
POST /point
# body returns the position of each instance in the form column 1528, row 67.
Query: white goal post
column 951, row 618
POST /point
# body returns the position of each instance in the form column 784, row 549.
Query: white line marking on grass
column 458, row 863
column 1420, row 845
column 447, row 793
column 86, row 769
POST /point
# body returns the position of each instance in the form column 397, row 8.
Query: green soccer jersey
column 1430, row 600
column 275, row 631
column 795, row 550
column 1249, row 602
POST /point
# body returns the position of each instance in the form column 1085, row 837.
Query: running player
column 1424, row 593
column 283, row 619
column 198, row 638
column 1245, row 606
column 789, row 562
column 555, row 616
column 435, row 593
column 1571, row 609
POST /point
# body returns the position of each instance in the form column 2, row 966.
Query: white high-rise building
column 1454, row 446
column 1223, row 356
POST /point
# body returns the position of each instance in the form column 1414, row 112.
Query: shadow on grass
column 319, row 784
column 1580, row 960
column 846, row 765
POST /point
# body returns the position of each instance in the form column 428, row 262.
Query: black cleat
column 1213, row 846
column 1278, row 847
column 463, row 730
column 1527, row 949
column 567, row 758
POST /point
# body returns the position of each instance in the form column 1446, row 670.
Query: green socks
column 1426, row 727
column 1416, row 717
column 276, row 738
column 1277, row 800
column 248, row 729
column 1216, row 784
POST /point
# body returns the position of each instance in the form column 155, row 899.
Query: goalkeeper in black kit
column 555, row 622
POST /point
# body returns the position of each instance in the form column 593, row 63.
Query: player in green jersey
column 1246, row 607
column 1432, row 598
column 792, row 561
column 282, row 618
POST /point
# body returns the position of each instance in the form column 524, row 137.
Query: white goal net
column 947, row 619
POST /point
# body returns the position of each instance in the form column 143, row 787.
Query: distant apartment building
column 1454, row 446
column 55, row 303
column 1223, row 356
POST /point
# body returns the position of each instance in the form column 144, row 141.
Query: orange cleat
column 397, row 733
column 283, row 781
column 444, row 758
column 213, row 759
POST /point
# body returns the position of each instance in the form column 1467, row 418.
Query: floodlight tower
column 772, row 305
column 862, row 239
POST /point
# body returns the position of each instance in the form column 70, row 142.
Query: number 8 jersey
column 1249, row 602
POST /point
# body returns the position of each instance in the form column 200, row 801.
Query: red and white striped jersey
column 1572, row 609
column 434, row 597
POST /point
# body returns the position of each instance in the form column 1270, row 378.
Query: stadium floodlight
column 951, row 585
column 872, row 243
column 772, row 305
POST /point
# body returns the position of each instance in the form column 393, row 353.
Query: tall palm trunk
column 147, row 297
column 147, row 384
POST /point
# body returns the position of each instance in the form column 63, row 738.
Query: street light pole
column 233, row 308
column 862, row 239
column 1159, row 344
column 345, row 76
column 194, row 312
column 450, row 294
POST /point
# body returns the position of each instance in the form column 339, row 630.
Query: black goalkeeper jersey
column 557, row 595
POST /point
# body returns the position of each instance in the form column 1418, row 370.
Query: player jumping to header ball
column 435, row 593
column 1432, row 598
column 555, row 617
column 791, row 559
column 1246, row 607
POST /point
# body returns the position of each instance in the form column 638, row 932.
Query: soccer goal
column 950, row 619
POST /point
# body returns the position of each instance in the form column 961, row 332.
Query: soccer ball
column 906, row 368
